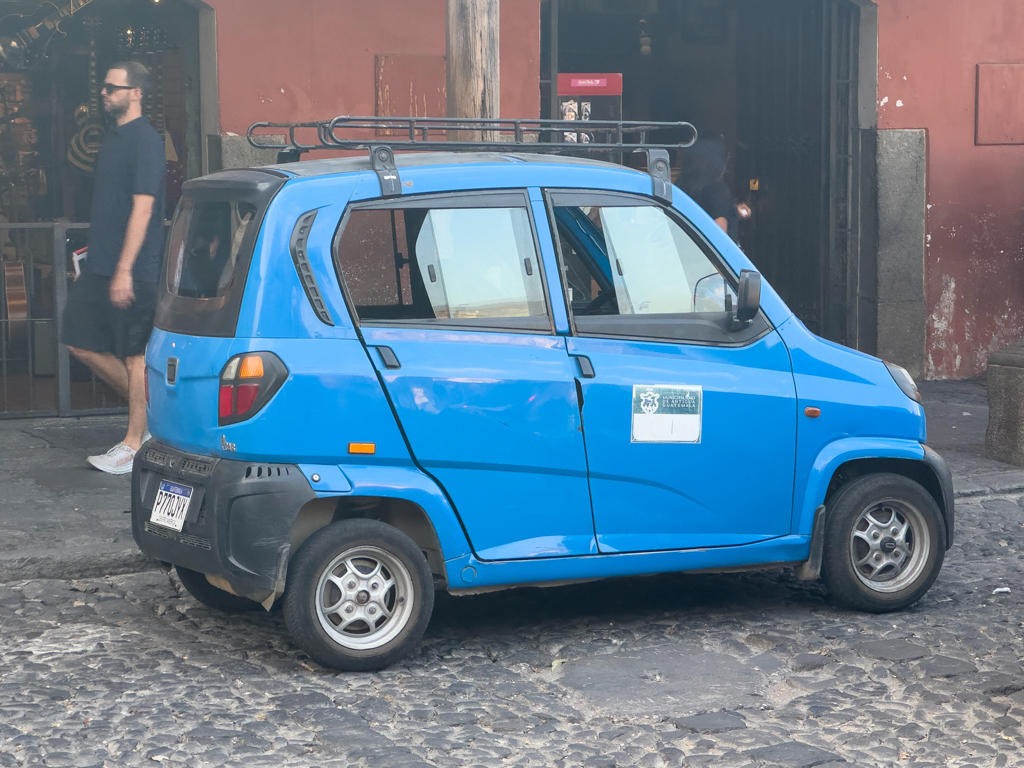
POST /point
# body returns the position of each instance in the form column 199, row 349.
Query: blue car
column 373, row 378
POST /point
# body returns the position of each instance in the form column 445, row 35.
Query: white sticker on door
column 664, row 414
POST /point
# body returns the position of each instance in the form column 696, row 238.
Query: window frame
column 503, row 198
column 564, row 197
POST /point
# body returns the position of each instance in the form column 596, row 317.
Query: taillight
column 247, row 382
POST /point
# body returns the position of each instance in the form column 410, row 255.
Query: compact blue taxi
column 372, row 378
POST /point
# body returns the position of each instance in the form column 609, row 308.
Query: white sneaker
column 117, row 461
column 147, row 435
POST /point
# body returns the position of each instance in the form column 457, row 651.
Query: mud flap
column 811, row 569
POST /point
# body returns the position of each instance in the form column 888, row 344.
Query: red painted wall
column 314, row 59
column 974, row 258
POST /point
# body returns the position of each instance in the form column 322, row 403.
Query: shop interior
column 53, row 57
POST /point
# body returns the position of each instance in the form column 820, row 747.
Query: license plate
column 171, row 505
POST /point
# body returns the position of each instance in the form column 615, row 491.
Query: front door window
column 633, row 270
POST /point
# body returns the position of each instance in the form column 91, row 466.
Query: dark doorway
column 776, row 81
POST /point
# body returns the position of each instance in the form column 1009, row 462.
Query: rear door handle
column 586, row 367
column 389, row 358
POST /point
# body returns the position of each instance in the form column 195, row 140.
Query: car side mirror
column 748, row 297
column 713, row 294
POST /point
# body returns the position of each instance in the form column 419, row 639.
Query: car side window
column 633, row 270
column 443, row 265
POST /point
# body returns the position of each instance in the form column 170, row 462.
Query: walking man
column 109, row 314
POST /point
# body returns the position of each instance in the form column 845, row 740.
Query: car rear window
column 205, row 240
column 209, row 249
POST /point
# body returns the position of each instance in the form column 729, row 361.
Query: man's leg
column 107, row 367
column 136, row 368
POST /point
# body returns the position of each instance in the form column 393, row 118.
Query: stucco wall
column 974, row 251
column 312, row 60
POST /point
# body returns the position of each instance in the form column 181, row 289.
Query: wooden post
column 471, row 56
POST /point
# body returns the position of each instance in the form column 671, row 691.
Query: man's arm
column 122, row 292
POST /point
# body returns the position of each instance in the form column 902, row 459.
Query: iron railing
column 37, row 375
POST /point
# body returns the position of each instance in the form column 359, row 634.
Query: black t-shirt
column 131, row 162
column 717, row 202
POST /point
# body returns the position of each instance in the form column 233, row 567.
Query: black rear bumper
column 239, row 519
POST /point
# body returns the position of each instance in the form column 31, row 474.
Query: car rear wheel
column 884, row 543
column 359, row 595
column 213, row 597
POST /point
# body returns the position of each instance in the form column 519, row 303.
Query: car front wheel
column 359, row 595
column 884, row 543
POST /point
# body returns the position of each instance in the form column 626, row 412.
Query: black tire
column 372, row 623
column 211, row 596
column 885, row 541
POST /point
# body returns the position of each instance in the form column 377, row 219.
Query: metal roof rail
column 570, row 137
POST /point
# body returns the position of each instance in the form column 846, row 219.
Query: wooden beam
column 471, row 55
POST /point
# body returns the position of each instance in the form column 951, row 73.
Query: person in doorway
column 111, row 305
column 701, row 176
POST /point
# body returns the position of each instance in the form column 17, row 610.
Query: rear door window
column 450, row 261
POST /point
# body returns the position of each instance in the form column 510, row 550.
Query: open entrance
column 53, row 57
column 775, row 81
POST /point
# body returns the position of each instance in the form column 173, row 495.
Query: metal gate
column 798, row 153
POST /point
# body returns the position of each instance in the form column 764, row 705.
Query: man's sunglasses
column 111, row 88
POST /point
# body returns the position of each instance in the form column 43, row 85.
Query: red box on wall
column 588, row 96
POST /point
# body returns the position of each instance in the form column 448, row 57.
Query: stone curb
column 55, row 565
column 967, row 489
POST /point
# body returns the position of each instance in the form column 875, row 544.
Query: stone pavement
column 747, row 670
column 59, row 518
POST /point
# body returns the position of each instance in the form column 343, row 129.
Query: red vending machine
column 589, row 96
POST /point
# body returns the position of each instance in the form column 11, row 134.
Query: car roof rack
column 383, row 135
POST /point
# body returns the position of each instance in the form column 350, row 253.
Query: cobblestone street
column 128, row 670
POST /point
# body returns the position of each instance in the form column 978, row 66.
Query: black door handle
column 389, row 358
column 586, row 367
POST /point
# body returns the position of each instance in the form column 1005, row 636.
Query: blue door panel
column 494, row 418
column 732, row 487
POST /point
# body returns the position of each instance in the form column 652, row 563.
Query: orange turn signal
column 252, row 368
column 363, row 448
column 812, row 413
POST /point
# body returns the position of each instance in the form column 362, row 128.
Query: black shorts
column 91, row 322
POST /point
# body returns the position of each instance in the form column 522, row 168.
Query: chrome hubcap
column 364, row 598
column 889, row 545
